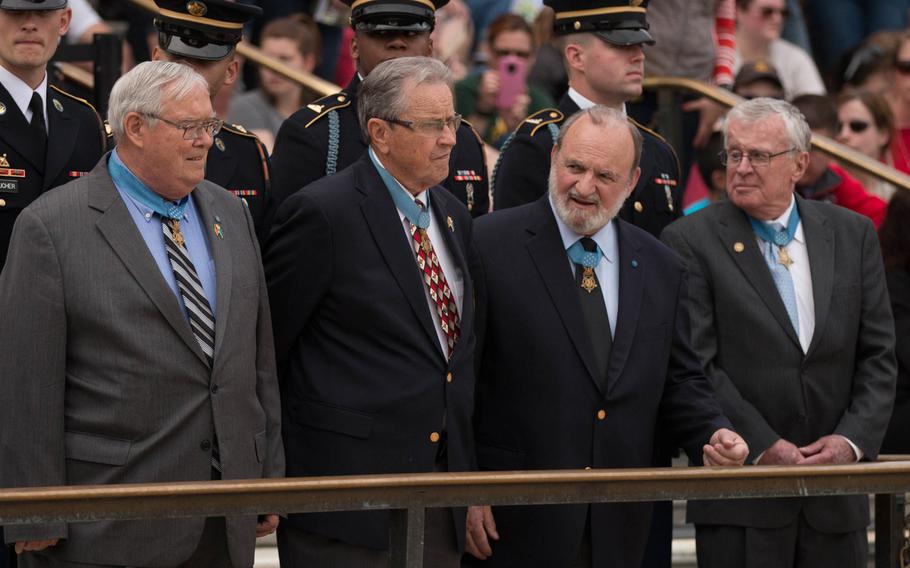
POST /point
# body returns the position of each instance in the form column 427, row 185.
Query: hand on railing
column 481, row 527
column 828, row 450
column 782, row 452
column 725, row 448
column 34, row 545
column 266, row 525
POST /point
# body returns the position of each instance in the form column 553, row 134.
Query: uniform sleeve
column 522, row 173
column 32, row 369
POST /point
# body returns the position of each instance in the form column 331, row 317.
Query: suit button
column 214, row 388
column 434, row 437
column 2, row 203
column 205, row 445
column 601, row 414
column 448, row 377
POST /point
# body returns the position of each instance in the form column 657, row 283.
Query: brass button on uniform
column 638, row 206
column 448, row 377
column 434, row 437
column 2, row 203
column 601, row 414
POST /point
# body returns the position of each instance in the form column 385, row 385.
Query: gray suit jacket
column 768, row 388
column 102, row 382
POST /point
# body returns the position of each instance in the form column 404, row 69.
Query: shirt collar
column 798, row 236
column 605, row 237
column 584, row 102
column 21, row 92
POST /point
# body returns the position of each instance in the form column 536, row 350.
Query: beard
column 581, row 221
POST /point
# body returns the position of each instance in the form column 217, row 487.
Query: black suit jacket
column 302, row 146
column 364, row 380
column 539, row 399
column 75, row 143
column 524, row 167
column 897, row 439
column 768, row 387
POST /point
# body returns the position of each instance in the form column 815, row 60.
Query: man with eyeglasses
column 324, row 137
column 47, row 136
column 138, row 338
column 792, row 325
column 204, row 35
column 601, row 44
column 373, row 310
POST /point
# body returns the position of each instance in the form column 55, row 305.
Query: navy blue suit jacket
column 364, row 381
column 539, row 400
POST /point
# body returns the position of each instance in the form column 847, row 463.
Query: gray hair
column 146, row 88
column 604, row 116
column 382, row 93
column 756, row 110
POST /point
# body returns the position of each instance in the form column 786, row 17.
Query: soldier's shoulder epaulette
column 540, row 119
column 317, row 109
column 73, row 97
column 237, row 129
column 644, row 128
column 473, row 130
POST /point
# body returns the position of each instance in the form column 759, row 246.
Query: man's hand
column 266, row 526
column 724, row 449
column 34, row 545
column 828, row 450
column 708, row 113
column 781, row 452
column 480, row 528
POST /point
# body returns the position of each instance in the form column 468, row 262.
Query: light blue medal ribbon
column 779, row 238
column 133, row 186
column 579, row 255
column 418, row 216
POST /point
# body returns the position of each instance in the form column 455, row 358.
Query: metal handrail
column 843, row 154
column 408, row 495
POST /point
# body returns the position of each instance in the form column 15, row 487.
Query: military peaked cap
column 201, row 29
column 32, row 4
column 394, row 15
column 619, row 22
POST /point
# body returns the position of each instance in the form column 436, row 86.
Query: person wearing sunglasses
column 758, row 38
column 824, row 179
column 865, row 123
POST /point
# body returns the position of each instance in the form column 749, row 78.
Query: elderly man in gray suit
column 137, row 339
column 792, row 323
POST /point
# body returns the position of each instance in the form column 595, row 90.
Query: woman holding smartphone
column 498, row 99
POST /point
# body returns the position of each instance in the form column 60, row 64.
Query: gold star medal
column 587, row 280
column 784, row 258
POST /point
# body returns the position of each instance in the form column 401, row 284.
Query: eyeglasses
column 902, row 66
column 429, row 128
column 757, row 158
column 768, row 11
column 192, row 129
column 515, row 52
column 855, row 126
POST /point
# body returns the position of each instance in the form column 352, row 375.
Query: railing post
column 406, row 538
column 889, row 529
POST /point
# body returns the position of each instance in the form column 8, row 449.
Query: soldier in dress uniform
column 204, row 34
column 601, row 42
column 47, row 136
column 324, row 136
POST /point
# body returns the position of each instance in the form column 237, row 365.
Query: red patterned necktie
column 428, row 262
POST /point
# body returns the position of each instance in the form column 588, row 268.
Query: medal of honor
column 587, row 280
column 784, row 258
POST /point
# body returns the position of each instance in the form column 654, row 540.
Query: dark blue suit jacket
column 538, row 397
column 363, row 377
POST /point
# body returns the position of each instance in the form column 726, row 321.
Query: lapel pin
column 217, row 228
column 450, row 223
column 219, row 144
column 739, row 247
column 2, row 109
column 634, row 264
column 58, row 105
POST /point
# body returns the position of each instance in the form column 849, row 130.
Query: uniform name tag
column 9, row 186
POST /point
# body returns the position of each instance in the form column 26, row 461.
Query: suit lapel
column 631, row 276
column 736, row 234
column 549, row 256
column 820, row 245
column 209, row 217
column 118, row 228
column 64, row 131
column 14, row 131
column 386, row 227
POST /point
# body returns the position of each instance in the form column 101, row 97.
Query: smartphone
column 513, row 71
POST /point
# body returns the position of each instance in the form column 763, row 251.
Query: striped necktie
column 198, row 310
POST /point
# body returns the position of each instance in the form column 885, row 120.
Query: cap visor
column 626, row 37
column 384, row 27
column 31, row 6
column 209, row 51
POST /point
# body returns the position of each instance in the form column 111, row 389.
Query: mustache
column 573, row 194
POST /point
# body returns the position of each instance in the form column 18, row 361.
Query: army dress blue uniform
column 76, row 141
column 324, row 137
column 524, row 167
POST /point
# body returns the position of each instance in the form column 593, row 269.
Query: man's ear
column 379, row 136
column 233, row 71
column 800, row 165
column 65, row 18
column 134, row 129
column 574, row 56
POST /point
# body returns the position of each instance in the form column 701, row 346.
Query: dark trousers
column 211, row 552
column 298, row 547
column 797, row 545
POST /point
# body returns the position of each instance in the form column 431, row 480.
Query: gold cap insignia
column 197, row 9
column 577, row 25
column 2, row 109
column 58, row 105
column 739, row 247
column 4, row 163
column 761, row 67
column 219, row 143
column 315, row 108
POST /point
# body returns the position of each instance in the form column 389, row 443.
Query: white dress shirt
column 22, row 93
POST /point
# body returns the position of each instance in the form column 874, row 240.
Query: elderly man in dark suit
column 795, row 332
column 137, row 338
column 583, row 325
column 374, row 319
